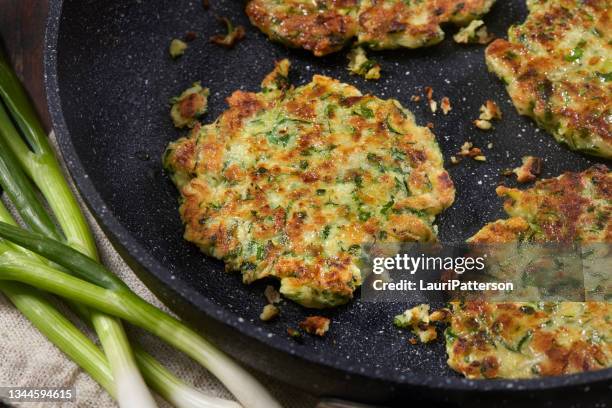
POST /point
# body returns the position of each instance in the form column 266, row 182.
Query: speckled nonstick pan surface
column 109, row 78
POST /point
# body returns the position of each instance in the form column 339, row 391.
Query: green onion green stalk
column 40, row 164
column 37, row 308
column 164, row 382
column 99, row 289
column 48, row 320
column 22, row 163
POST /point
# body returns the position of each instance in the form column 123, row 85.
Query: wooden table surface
column 22, row 29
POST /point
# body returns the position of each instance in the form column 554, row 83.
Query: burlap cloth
column 28, row 359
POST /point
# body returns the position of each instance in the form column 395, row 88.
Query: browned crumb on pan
column 269, row 312
column 475, row 33
column 445, row 105
column 360, row 64
column 421, row 322
column 468, row 150
column 529, row 170
column 433, row 105
column 317, row 325
column 177, row 48
column 233, row 35
column 189, row 106
column 272, row 295
column 488, row 112
column 295, row 334
column 190, row 36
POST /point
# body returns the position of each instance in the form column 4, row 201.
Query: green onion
column 48, row 320
column 37, row 160
column 79, row 348
column 165, row 383
column 51, row 323
column 18, row 186
column 127, row 306
column 40, row 163
column 60, row 331
column 174, row 390
column 43, row 168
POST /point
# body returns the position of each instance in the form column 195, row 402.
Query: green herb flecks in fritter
column 292, row 182
column 189, row 106
column 326, row 26
column 557, row 67
column 534, row 339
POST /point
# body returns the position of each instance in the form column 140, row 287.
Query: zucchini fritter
column 557, row 67
column 571, row 207
column 325, row 26
column 526, row 340
column 520, row 339
column 292, row 182
column 387, row 24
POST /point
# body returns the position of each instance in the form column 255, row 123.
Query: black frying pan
column 109, row 78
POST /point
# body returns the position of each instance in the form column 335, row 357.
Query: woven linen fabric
column 28, row 359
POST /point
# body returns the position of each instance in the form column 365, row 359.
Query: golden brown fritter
column 291, row 183
column 322, row 26
column 325, row 26
column 557, row 67
column 521, row 339
column 571, row 207
column 395, row 23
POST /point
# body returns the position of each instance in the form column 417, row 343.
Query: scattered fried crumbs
column 427, row 333
column 433, row 105
column 483, row 124
column 489, row 145
column 475, row 33
column 234, row 34
column 420, row 322
column 189, row 106
column 295, row 335
column 445, row 105
column 430, row 125
column 318, row 325
column 177, row 48
column 415, row 98
column 269, row 312
column 468, row 150
column 413, row 341
column 272, row 295
column 190, row 36
column 429, row 92
column 412, row 317
column 488, row 112
column 360, row 64
column 529, row 170
column 441, row 315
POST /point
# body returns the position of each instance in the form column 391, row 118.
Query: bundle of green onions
column 56, row 253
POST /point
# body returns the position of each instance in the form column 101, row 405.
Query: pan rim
column 131, row 249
